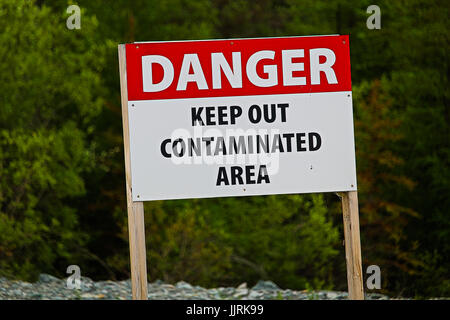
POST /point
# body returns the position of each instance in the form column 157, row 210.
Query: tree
column 49, row 81
column 383, row 220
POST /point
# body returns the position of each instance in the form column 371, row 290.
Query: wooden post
column 352, row 245
column 136, row 227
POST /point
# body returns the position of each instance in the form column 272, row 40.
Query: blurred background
column 62, row 189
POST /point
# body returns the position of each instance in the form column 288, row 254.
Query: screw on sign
column 257, row 117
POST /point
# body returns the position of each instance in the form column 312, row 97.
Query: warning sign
column 240, row 117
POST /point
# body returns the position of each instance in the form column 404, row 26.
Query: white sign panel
column 240, row 117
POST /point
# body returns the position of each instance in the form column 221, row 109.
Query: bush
column 49, row 81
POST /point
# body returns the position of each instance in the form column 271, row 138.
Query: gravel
column 51, row 288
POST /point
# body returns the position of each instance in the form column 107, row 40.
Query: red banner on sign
column 237, row 67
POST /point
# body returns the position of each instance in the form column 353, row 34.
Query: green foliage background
column 62, row 193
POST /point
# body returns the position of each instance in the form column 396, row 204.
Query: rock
column 17, row 292
column 242, row 286
column 254, row 294
column 199, row 288
column 226, row 292
column 158, row 282
column 46, row 278
column 265, row 285
column 376, row 296
column 89, row 296
column 126, row 283
column 239, row 293
column 343, row 296
column 332, row 295
column 183, row 285
column 36, row 296
column 52, row 288
column 168, row 286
